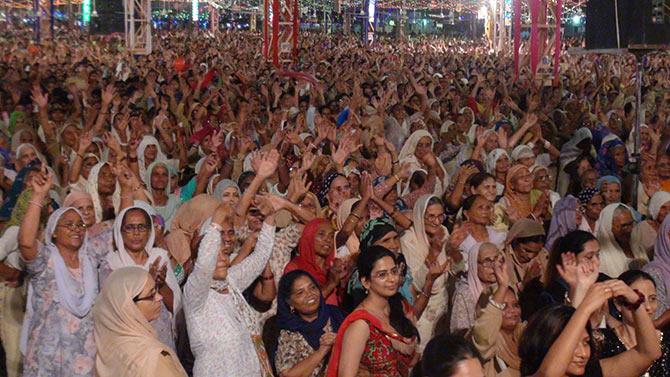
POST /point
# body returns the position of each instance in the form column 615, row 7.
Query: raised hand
column 267, row 163
column 501, row 271
column 366, row 186
column 298, row 185
column 436, row 269
column 108, row 94
column 568, row 269
column 269, row 203
column 127, row 179
column 42, row 182
column 85, row 141
column 40, row 99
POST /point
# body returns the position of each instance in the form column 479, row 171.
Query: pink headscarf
column 75, row 196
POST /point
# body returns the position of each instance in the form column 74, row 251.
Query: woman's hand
column 42, row 183
column 327, row 340
column 501, row 271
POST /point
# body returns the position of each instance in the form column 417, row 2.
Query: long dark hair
column 443, row 354
column 540, row 334
column 366, row 262
column 573, row 242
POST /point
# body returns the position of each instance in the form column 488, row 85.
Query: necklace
column 623, row 338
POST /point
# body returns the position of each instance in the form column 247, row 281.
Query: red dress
column 380, row 358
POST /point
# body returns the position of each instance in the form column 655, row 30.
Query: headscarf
column 657, row 201
column 606, row 164
column 120, row 258
column 493, row 158
column 630, row 142
column 613, row 261
column 563, row 220
column 520, row 205
column 77, row 302
column 661, row 260
column 149, row 171
column 522, row 151
column 287, row 320
column 15, row 191
column 92, row 189
column 148, row 140
column 524, row 228
column 186, row 222
column 306, row 259
column 607, row 179
column 407, row 156
column 222, row 186
column 587, row 194
column 343, row 212
column 325, row 187
column 475, row 286
column 126, row 342
column 374, row 230
column 570, row 151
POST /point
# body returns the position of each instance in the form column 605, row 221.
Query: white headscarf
column 657, row 201
column 492, row 159
column 407, row 156
column 522, row 151
column 148, row 140
column 613, row 261
column 92, row 188
column 570, row 151
column 77, row 302
column 120, row 258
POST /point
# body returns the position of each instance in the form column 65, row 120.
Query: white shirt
column 220, row 341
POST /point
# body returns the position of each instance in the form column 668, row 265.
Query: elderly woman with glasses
column 482, row 260
column 57, row 338
column 134, row 236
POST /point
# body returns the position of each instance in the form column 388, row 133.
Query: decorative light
column 86, row 11
column 371, row 10
column 194, row 10
column 483, row 11
column 576, row 20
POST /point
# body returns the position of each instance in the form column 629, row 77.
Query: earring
column 366, row 291
column 293, row 310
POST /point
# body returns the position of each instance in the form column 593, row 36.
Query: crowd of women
column 407, row 208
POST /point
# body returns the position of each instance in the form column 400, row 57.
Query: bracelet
column 267, row 277
column 497, row 305
column 396, row 177
column 547, row 144
column 394, row 162
column 424, row 294
column 132, row 159
column 36, row 203
column 635, row 305
column 80, row 155
column 355, row 215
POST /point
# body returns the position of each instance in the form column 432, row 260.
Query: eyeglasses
column 488, row 262
column 434, row 218
column 542, row 177
column 73, row 227
column 150, row 297
column 135, row 228
column 384, row 275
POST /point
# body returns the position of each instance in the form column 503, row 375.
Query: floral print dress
column 59, row 343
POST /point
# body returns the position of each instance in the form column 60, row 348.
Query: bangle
column 80, row 155
column 635, row 305
column 396, row 177
column 395, row 211
column 547, row 144
column 36, row 203
column 395, row 162
column 132, row 159
column 355, row 215
column 497, row 305
column 267, row 277
column 424, row 294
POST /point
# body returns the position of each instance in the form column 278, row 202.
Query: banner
column 517, row 36
column 534, row 6
column 557, row 51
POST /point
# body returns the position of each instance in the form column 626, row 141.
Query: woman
column 307, row 324
column 451, row 356
column 614, row 341
column 542, row 183
column 227, row 191
column 497, row 328
column 610, row 188
column 378, row 338
column 148, row 151
column 482, row 260
column 580, row 145
column 418, row 153
column 614, row 229
column 103, row 188
column 565, row 218
column 158, row 183
column 612, row 157
column 645, row 232
column 478, row 213
column 484, row 184
column 316, row 255
column 580, row 247
column 126, row 342
column 592, row 204
column 516, row 202
column 134, row 237
column 558, row 342
column 425, row 242
column 498, row 164
column 57, row 335
column 659, row 270
column 213, row 300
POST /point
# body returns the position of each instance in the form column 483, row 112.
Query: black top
column 609, row 344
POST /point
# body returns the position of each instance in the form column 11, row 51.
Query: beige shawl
column 126, row 343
